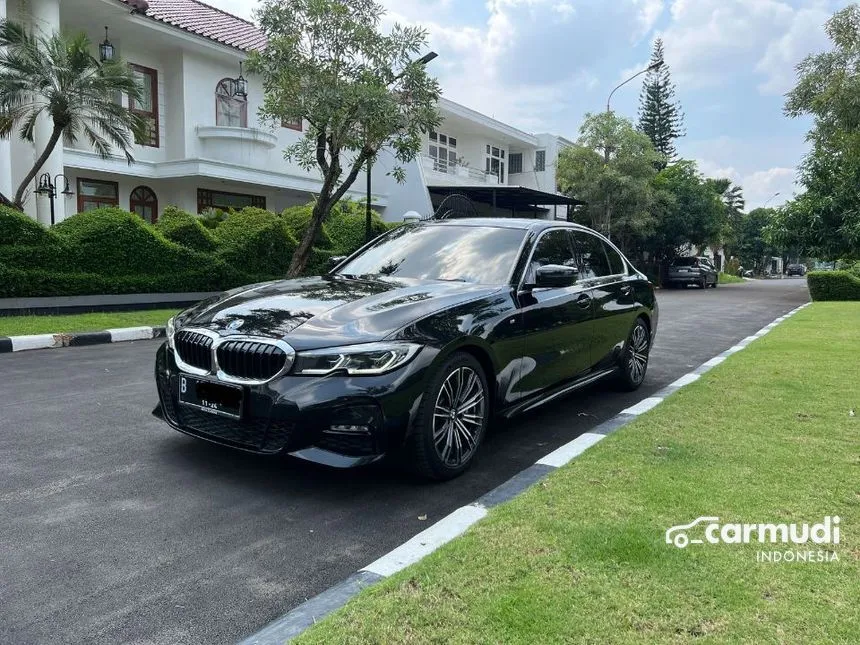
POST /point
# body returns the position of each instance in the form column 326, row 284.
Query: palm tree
column 57, row 76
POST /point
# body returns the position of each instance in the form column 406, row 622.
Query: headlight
column 171, row 330
column 359, row 360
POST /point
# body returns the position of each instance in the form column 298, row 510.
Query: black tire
column 633, row 364
column 443, row 449
column 716, row 282
column 704, row 283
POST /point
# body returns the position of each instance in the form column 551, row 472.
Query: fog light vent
column 349, row 429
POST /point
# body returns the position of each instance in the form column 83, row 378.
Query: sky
column 541, row 65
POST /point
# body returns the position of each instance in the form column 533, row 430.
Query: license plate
column 214, row 398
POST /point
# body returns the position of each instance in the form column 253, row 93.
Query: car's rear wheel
column 452, row 419
column 634, row 358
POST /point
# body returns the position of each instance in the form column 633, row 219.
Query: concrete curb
column 313, row 610
column 57, row 341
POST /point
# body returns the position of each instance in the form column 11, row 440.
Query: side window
column 616, row 262
column 553, row 248
column 592, row 259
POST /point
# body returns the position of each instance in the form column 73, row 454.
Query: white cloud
column 804, row 35
column 762, row 187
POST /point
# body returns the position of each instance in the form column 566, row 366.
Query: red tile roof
column 201, row 19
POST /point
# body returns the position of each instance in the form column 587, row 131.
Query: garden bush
column 19, row 229
column 297, row 219
column 186, row 230
column 256, row 241
column 114, row 242
column 347, row 224
column 833, row 285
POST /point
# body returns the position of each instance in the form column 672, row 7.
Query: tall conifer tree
column 660, row 115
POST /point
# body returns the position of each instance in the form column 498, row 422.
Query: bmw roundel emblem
column 235, row 324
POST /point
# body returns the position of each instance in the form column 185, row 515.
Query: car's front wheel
column 634, row 358
column 452, row 419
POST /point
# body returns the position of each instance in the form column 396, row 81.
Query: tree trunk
column 52, row 143
column 303, row 252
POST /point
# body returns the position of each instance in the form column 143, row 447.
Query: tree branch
column 365, row 154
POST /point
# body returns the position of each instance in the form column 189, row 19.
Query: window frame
column 101, row 201
column 156, row 104
column 511, row 166
column 243, row 102
column 257, row 201
column 132, row 202
column 540, row 167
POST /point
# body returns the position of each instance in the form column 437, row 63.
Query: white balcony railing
column 457, row 173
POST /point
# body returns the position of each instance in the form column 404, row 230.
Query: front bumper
column 688, row 278
column 295, row 414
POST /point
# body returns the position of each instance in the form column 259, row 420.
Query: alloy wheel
column 637, row 359
column 458, row 416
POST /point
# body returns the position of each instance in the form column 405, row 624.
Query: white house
column 206, row 147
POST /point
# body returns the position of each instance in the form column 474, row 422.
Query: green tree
column 660, row 116
column 618, row 192
column 327, row 63
column 751, row 245
column 824, row 221
column 57, row 77
column 692, row 210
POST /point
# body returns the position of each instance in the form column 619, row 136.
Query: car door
column 556, row 334
column 614, row 298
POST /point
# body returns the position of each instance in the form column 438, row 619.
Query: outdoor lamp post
column 368, row 222
column 651, row 68
column 770, row 199
column 106, row 49
column 49, row 189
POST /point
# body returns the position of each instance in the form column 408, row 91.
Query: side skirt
column 552, row 395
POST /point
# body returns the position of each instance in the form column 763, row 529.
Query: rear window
column 685, row 262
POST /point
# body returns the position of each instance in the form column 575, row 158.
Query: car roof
column 522, row 223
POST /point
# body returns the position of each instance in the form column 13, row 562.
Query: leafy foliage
column 57, row 76
column 257, row 240
column 833, row 285
column 660, row 116
column 185, row 229
column 327, row 62
column 825, row 220
column 611, row 167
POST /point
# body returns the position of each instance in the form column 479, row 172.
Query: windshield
column 478, row 254
column 685, row 262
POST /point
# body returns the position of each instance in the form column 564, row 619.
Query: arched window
column 144, row 202
column 230, row 110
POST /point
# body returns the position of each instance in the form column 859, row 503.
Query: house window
column 93, row 194
column 144, row 202
column 295, row 124
column 443, row 151
column 221, row 200
column 515, row 161
column 495, row 163
column 147, row 107
column 540, row 161
column 230, row 110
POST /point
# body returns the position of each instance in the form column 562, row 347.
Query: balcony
column 244, row 146
column 439, row 171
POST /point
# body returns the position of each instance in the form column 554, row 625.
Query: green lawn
column 581, row 558
column 728, row 278
column 24, row 325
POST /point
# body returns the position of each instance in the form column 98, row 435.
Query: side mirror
column 334, row 261
column 556, row 276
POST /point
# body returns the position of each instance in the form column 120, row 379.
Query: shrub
column 186, row 230
column 297, row 219
column 833, row 285
column 211, row 218
column 256, row 242
column 17, row 228
column 347, row 227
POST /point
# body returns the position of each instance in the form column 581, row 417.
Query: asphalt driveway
column 114, row 528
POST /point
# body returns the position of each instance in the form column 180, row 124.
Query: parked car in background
column 409, row 346
column 699, row 271
column 795, row 269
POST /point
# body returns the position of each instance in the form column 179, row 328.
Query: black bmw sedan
column 411, row 346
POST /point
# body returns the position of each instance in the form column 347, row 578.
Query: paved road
column 114, row 528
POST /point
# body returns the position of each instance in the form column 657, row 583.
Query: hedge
column 185, row 229
column 833, row 285
column 256, row 240
column 297, row 218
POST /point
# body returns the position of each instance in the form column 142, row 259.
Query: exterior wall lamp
column 49, row 189
column 240, row 85
column 106, row 49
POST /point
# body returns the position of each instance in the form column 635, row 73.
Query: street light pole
column 49, row 188
column 368, row 219
column 770, row 199
column 651, row 68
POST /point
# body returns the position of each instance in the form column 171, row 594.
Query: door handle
column 584, row 301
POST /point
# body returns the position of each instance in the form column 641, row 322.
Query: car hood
column 328, row 311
